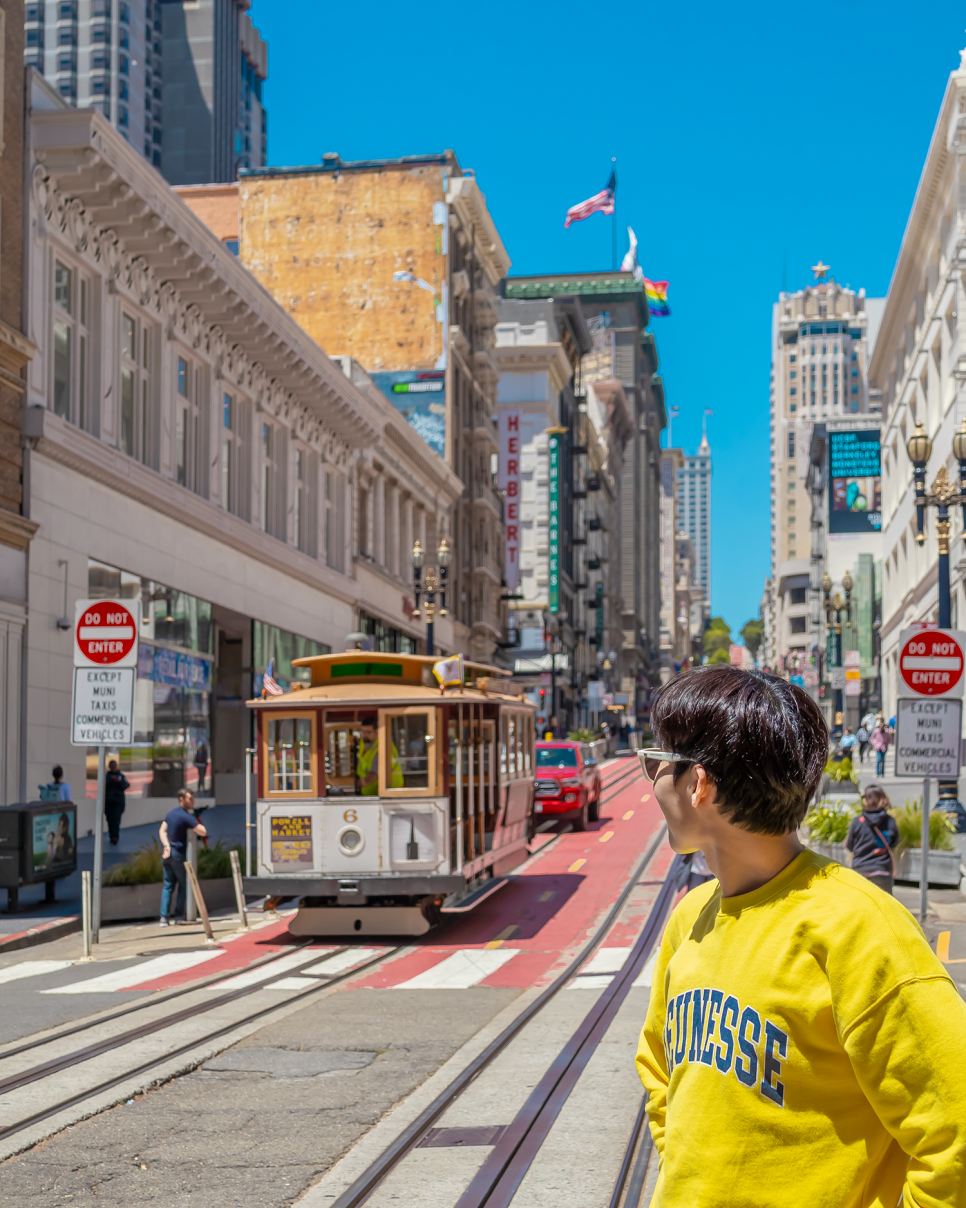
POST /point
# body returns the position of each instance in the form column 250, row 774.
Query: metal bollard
column 239, row 889
column 86, row 914
column 924, row 872
column 191, row 857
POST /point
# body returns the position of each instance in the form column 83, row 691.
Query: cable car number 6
column 350, row 816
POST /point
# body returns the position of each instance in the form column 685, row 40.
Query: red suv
column 568, row 782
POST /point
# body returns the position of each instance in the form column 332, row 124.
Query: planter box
column 123, row 902
column 943, row 865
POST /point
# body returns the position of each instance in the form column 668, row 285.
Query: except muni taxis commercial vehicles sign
column 931, row 663
column 105, row 669
column 928, row 738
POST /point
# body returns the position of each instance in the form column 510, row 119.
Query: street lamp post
column 944, row 494
column 434, row 581
column 835, row 606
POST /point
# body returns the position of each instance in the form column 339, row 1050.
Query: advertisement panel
column 291, row 841
column 854, row 482
column 420, row 396
column 509, row 481
column 53, row 841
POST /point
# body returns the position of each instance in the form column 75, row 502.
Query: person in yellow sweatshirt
column 804, row 1047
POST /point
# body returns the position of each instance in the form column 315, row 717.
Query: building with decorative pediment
column 191, row 446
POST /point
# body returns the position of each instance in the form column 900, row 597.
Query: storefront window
column 270, row 642
column 172, row 701
column 386, row 638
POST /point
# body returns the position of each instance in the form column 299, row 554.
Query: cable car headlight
column 351, row 841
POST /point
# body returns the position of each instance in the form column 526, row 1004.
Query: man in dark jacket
column 115, row 786
column 871, row 838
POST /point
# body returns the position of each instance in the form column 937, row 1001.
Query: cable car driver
column 367, row 765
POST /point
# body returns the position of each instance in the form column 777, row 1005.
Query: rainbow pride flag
column 656, row 294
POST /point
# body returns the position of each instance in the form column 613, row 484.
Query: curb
column 53, row 930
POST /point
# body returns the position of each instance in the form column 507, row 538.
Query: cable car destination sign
column 929, row 713
column 105, row 667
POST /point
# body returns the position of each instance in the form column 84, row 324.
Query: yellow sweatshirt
column 804, row 1048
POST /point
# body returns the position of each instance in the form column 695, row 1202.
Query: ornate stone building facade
column 192, row 447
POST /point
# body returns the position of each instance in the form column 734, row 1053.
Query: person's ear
column 702, row 790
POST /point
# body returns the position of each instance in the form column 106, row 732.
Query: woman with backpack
column 871, row 838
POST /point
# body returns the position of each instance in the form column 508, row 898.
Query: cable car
column 386, row 801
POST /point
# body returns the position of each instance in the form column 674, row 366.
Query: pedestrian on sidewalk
column 803, row 1043
column 58, row 789
column 847, row 743
column 862, row 738
column 872, row 837
column 174, row 840
column 115, row 786
column 880, row 738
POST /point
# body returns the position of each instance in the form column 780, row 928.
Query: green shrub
column 144, row 866
column 909, row 821
column 584, row 735
column 840, row 769
column 830, row 823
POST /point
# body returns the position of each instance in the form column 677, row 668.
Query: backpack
column 49, row 792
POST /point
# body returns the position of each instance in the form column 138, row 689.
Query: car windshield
column 556, row 757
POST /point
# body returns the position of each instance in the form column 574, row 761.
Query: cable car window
column 504, row 726
column 341, row 759
column 290, row 743
column 408, row 759
column 528, row 745
column 556, row 757
column 512, row 744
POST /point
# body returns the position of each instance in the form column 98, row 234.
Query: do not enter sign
column 106, row 633
column 931, row 662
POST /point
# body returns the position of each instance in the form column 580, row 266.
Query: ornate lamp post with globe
column 434, row 581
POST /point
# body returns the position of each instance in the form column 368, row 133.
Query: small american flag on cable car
column 270, row 686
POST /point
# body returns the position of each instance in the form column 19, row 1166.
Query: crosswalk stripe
column 32, row 969
column 343, row 961
column 136, row 975
column 251, row 977
column 644, row 977
column 462, row 969
column 599, row 971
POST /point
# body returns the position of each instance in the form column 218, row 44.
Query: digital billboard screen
column 421, row 397
column 855, row 482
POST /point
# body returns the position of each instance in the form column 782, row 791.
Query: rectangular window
column 70, row 345
column 301, row 511
column 791, row 444
column 135, row 388
column 290, row 755
column 409, row 763
column 191, row 400
column 797, row 624
column 268, row 477
column 228, row 471
column 796, row 595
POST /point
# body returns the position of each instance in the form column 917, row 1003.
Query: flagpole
column 613, row 240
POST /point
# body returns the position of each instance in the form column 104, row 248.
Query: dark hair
column 876, row 796
column 762, row 742
column 58, row 771
column 372, row 720
column 182, row 793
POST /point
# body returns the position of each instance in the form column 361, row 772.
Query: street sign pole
column 924, row 873
column 98, row 845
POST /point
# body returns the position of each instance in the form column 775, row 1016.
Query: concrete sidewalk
column 224, row 822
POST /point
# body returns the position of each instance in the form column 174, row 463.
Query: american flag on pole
column 602, row 201
column 269, row 683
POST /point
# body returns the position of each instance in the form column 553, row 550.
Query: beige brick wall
column 326, row 246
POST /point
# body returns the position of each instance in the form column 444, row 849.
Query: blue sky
column 748, row 138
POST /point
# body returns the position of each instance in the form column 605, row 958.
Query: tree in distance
column 753, row 632
column 717, row 641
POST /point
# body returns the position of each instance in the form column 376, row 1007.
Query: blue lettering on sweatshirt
column 703, row 1026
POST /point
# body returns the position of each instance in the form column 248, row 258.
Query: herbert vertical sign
column 105, row 668
column 929, row 715
column 509, row 481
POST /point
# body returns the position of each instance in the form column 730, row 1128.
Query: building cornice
column 470, row 207
column 115, row 208
column 16, row 530
column 68, row 446
column 599, row 286
column 15, row 343
column 912, row 250
column 535, row 358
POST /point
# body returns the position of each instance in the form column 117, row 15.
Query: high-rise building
column 180, row 79
column 694, row 512
column 626, row 352
column 822, row 337
column 215, row 63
